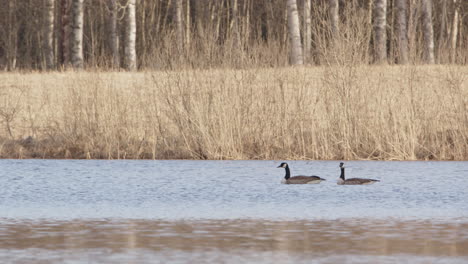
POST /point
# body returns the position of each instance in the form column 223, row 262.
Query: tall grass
column 335, row 112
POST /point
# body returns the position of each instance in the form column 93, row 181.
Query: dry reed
column 335, row 112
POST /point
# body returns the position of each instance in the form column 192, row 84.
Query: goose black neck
column 288, row 173
column 342, row 174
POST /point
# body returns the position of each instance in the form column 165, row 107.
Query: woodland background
column 175, row 34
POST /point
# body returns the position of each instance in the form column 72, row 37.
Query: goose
column 353, row 181
column 298, row 179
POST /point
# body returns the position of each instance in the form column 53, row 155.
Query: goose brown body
column 300, row 179
column 353, row 181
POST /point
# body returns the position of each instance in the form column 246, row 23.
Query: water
column 77, row 211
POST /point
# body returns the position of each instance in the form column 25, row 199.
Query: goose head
column 283, row 165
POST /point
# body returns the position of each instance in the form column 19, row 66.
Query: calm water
column 67, row 211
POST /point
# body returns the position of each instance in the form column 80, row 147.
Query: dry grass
column 337, row 112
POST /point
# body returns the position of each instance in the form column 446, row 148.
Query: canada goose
column 298, row 179
column 353, row 181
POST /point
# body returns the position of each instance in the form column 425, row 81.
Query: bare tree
column 294, row 33
column 334, row 16
column 77, row 34
column 65, row 32
column 380, row 31
column 179, row 24
column 454, row 32
column 114, row 33
column 188, row 22
column 402, row 31
column 199, row 14
column 130, row 36
column 247, row 19
column 12, row 32
column 428, row 31
column 49, row 34
column 442, row 39
column 235, row 25
column 414, row 14
column 307, row 30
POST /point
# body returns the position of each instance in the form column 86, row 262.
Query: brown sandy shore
column 352, row 112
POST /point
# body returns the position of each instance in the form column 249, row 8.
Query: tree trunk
column 179, row 24
column 414, row 15
column 114, row 33
column 454, row 33
column 12, row 45
column 428, row 31
column 49, row 34
column 199, row 15
column 247, row 20
column 370, row 13
column 334, row 17
column 370, row 6
column 294, row 33
column 217, row 17
column 391, row 28
column 188, row 22
column 65, row 32
column 144, row 15
column 235, row 26
column 77, row 34
column 130, row 36
column 380, row 30
column 307, row 30
column 402, row 31
column 441, row 41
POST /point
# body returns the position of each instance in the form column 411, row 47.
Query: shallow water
column 78, row 211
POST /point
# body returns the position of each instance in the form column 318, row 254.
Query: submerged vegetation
column 334, row 112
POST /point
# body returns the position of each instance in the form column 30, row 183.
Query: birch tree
column 114, row 33
column 179, row 24
column 294, row 33
column 49, row 34
column 454, row 33
column 199, row 15
column 130, row 36
column 188, row 21
column 402, row 31
column 380, row 30
column 65, row 29
column 235, row 25
column 307, row 30
column 441, row 41
column 247, row 20
column 12, row 38
column 428, row 31
column 77, row 34
column 334, row 16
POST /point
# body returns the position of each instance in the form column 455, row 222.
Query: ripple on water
column 230, row 211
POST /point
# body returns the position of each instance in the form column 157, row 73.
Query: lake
column 176, row 211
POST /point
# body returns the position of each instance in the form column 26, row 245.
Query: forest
column 201, row 34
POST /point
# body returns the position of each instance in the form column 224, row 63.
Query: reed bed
column 334, row 112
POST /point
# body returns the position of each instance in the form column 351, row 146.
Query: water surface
column 78, row 211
